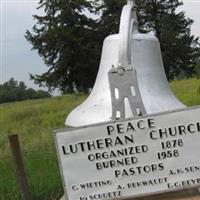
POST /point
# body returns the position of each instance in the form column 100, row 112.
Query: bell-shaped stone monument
column 135, row 50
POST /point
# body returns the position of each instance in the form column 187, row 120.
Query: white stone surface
column 145, row 58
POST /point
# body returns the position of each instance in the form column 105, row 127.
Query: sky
column 16, row 58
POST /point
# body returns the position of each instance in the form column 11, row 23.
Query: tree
column 110, row 16
column 65, row 37
column 12, row 83
column 180, row 49
column 69, row 41
column 13, row 90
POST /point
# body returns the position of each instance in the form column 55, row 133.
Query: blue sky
column 17, row 60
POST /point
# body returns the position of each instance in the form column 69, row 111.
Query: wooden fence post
column 19, row 167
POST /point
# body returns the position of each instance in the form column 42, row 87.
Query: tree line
column 70, row 33
column 13, row 90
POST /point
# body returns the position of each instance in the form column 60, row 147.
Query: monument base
column 190, row 194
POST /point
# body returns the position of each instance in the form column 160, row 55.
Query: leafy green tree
column 69, row 40
column 13, row 90
column 110, row 11
column 12, row 83
column 66, row 38
column 22, row 85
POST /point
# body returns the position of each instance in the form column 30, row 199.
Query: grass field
column 34, row 121
column 188, row 91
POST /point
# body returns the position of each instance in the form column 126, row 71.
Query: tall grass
column 187, row 90
column 34, row 121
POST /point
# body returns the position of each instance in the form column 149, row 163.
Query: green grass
column 34, row 121
column 187, row 91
